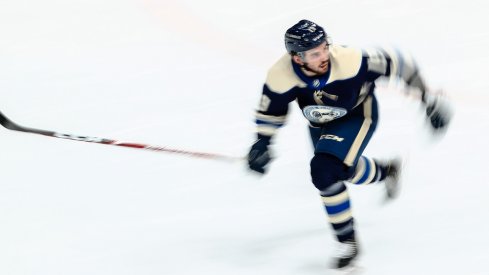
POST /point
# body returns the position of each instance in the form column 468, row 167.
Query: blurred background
column 188, row 75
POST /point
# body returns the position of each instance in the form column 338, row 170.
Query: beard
column 322, row 68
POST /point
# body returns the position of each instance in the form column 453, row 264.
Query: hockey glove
column 259, row 157
column 438, row 113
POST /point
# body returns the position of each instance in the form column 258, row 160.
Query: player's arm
column 392, row 63
column 271, row 113
column 270, row 116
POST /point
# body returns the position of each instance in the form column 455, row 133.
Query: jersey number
column 264, row 103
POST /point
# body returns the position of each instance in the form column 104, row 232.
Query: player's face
column 317, row 60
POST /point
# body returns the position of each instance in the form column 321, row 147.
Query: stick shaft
column 9, row 124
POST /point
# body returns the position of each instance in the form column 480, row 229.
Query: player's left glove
column 439, row 113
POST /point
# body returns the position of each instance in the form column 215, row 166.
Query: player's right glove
column 259, row 157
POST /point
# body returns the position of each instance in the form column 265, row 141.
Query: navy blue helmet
column 304, row 36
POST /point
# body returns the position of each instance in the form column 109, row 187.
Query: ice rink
column 188, row 75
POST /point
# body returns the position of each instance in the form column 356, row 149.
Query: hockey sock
column 337, row 204
column 368, row 171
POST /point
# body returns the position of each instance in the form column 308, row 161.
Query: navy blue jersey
column 348, row 82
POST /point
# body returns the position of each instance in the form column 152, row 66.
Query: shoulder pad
column 281, row 76
column 345, row 62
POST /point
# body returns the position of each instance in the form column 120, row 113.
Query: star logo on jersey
column 319, row 94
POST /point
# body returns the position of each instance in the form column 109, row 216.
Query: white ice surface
column 188, row 75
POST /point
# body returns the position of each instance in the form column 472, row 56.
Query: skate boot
column 392, row 179
column 347, row 252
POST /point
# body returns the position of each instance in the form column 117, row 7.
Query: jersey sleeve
column 393, row 63
column 272, row 112
column 279, row 90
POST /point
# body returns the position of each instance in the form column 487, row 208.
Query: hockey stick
column 9, row 124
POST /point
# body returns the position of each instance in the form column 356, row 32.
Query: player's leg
column 337, row 150
column 369, row 171
column 328, row 174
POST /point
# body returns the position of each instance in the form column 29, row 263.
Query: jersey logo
column 319, row 94
column 332, row 137
column 316, row 83
column 323, row 114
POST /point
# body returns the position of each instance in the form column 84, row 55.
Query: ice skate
column 347, row 252
column 392, row 180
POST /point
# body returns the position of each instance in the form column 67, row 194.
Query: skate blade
column 349, row 270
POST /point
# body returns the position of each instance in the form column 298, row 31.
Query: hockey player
column 334, row 86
